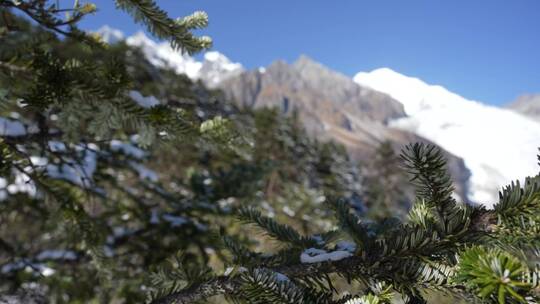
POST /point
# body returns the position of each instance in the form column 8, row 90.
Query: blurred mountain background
column 372, row 108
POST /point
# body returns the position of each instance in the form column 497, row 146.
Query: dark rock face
column 332, row 107
column 528, row 105
column 314, row 91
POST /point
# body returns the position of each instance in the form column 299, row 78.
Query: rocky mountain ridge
column 332, row 107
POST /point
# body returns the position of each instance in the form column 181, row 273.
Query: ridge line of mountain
column 373, row 107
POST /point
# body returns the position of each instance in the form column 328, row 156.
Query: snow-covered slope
column 212, row 70
column 498, row 145
column 216, row 68
column 162, row 55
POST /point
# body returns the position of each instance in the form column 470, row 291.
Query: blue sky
column 487, row 50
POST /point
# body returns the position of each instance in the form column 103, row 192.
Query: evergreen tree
column 386, row 191
column 81, row 214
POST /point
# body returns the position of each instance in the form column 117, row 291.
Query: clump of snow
column 127, row 149
column 22, row 184
column 314, row 255
column 77, row 172
column 230, row 270
column 57, row 146
column 46, row 271
column 144, row 173
column 108, row 251
column 154, row 217
column 9, row 127
column 288, row 211
column 497, row 145
column 27, row 266
column 3, row 192
column 56, row 255
column 226, row 203
column 174, row 220
column 346, row 246
column 281, row 277
column 119, row 231
column 145, row 102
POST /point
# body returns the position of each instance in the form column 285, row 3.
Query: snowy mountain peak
column 216, row 67
column 110, row 35
column 163, row 55
column 212, row 70
column 140, row 39
column 498, row 145
column 215, row 56
column 218, row 58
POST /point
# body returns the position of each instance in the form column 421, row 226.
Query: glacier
column 498, row 145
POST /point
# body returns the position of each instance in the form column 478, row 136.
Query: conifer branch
column 356, row 265
column 40, row 12
column 162, row 26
